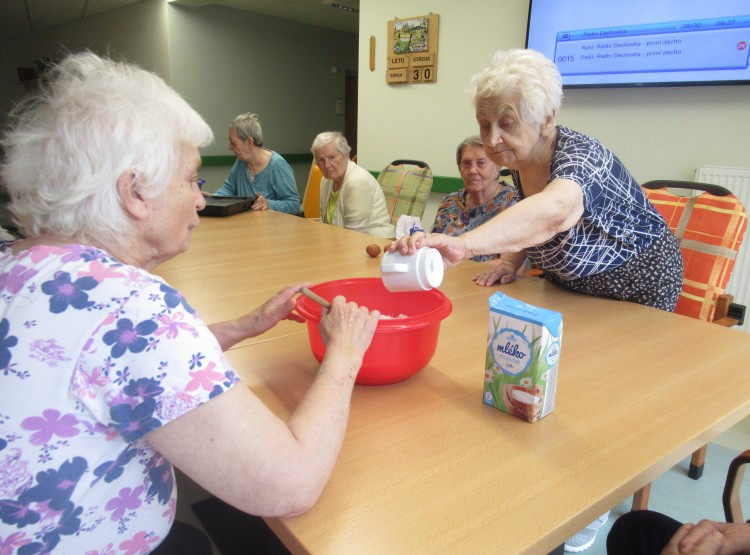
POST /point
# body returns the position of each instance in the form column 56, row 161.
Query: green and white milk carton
column 523, row 350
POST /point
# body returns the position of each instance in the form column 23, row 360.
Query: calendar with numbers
column 412, row 50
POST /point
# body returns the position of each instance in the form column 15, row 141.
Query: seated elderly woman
column 350, row 196
column 484, row 195
column 258, row 171
column 582, row 218
column 109, row 376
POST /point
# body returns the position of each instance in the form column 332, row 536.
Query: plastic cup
column 420, row 271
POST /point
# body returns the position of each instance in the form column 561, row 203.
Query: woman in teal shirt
column 258, row 171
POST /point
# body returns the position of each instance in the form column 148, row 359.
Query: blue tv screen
column 635, row 43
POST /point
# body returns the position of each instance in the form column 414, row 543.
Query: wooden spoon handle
column 315, row 297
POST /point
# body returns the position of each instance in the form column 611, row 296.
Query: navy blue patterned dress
column 621, row 247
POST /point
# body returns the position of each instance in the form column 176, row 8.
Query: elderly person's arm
column 285, row 197
column 277, row 308
column 710, row 537
column 230, row 188
column 237, row 449
column 530, row 222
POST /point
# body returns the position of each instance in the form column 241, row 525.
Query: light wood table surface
column 425, row 466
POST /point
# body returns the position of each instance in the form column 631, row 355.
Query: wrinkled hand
column 452, row 249
column 260, row 203
column 347, row 329
column 277, row 308
column 704, row 538
column 497, row 273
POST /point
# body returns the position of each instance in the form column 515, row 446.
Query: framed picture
column 412, row 49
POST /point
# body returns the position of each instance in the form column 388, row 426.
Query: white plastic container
column 420, row 271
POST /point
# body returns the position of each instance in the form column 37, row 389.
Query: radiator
column 736, row 180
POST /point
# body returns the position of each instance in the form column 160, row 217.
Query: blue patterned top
column 94, row 355
column 618, row 221
column 454, row 217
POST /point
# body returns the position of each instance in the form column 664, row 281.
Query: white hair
column 247, row 126
column 92, row 121
column 331, row 136
column 526, row 76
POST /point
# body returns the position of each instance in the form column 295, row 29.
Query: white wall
column 657, row 132
column 223, row 61
column 137, row 33
column 226, row 62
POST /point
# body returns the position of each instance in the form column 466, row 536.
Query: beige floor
column 737, row 438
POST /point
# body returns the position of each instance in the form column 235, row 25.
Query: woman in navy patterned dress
column 582, row 218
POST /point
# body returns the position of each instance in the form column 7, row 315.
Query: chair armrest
column 726, row 322
column 731, row 497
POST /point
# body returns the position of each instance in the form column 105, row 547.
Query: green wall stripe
column 446, row 185
column 218, row 160
column 440, row 184
column 229, row 160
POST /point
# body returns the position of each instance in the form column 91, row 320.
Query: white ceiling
column 21, row 17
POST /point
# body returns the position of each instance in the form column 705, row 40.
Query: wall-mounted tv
column 636, row 43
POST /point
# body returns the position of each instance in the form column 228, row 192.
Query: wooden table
column 426, row 467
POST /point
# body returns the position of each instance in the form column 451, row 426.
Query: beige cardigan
column 361, row 203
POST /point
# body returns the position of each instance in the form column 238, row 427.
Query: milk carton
column 523, row 350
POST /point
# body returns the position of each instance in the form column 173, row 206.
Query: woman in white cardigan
column 350, row 196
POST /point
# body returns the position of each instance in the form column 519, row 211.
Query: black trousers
column 184, row 539
column 641, row 533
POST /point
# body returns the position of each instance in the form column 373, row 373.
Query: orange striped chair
column 710, row 228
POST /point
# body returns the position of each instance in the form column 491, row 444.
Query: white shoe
column 586, row 537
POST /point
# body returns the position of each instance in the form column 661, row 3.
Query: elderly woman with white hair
column 582, row 218
column 350, row 196
column 109, row 376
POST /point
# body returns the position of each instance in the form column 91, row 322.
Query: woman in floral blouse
column 108, row 376
column 483, row 196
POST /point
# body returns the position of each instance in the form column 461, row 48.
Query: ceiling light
column 343, row 7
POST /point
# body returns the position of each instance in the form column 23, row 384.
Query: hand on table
column 709, row 537
column 260, row 203
column 504, row 272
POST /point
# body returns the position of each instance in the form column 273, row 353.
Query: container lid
column 434, row 267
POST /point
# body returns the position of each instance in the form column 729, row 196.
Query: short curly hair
column 524, row 75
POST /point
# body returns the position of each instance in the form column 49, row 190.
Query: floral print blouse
column 454, row 217
column 94, row 355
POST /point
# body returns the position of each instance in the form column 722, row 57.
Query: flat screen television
column 637, row 43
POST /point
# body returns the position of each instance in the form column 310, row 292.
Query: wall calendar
column 412, row 50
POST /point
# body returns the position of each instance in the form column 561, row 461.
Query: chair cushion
column 406, row 189
column 710, row 230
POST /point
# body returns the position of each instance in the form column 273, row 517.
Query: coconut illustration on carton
column 523, row 352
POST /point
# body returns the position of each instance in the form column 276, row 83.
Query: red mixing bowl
column 401, row 346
